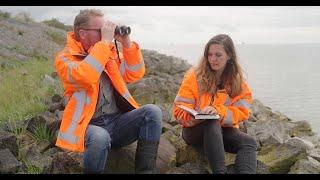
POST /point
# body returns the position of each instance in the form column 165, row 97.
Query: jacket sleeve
column 83, row 74
column 186, row 96
column 132, row 66
column 236, row 110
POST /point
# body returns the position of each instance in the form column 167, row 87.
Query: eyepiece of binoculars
column 122, row 30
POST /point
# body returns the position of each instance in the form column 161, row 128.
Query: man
column 100, row 112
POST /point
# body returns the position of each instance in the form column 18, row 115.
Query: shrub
column 24, row 17
column 42, row 133
column 5, row 14
column 57, row 24
column 57, row 37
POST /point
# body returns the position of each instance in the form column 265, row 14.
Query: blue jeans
column 119, row 130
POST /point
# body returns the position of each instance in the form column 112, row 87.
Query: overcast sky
column 196, row 25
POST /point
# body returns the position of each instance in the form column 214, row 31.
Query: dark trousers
column 216, row 140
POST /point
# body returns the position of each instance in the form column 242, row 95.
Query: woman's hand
column 209, row 110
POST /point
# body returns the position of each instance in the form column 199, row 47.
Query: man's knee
column 153, row 112
column 98, row 137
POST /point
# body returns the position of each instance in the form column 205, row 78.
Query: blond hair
column 82, row 19
column 231, row 77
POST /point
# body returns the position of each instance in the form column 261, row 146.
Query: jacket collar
column 74, row 46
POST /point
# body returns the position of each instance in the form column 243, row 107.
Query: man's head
column 87, row 25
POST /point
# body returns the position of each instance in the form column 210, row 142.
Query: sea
column 284, row 77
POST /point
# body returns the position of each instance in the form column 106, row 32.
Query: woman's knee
column 213, row 126
column 249, row 141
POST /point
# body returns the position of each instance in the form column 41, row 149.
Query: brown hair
column 82, row 19
column 231, row 77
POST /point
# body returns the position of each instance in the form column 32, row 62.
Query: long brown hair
column 231, row 77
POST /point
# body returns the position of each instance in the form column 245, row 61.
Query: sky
column 197, row 24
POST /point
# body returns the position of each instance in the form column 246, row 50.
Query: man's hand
column 107, row 31
column 209, row 110
column 124, row 40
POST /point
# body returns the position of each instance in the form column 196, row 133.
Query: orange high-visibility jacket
column 80, row 73
column 231, row 110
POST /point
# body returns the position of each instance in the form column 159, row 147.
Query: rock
column 48, row 119
column 63, row 163
column 166, row 156
column 259, row 111
column 314, row 153
column 166, row 127
column 121, row 160
column 299, row 129
column 281, row 158
column 56, row 98
column 261, row 168
column 252, row 118
column 8, row 141
column 171, row 137
column 52, row 152
column 24, row 72
column 56, row 106
column 268, row 133
column 48, row 81
column 301, row 143
column 305, row 166
column 229, row 158
column 8, row 163
column 58, row 114
column 36, row 158
column 188, row 168
column 54, row 75
column 189, row 154
column 167, row 112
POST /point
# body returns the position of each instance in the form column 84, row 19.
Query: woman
column 216, row 85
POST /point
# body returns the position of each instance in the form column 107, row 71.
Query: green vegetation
column 32, row 169
column 22, row 91
column 57, row 37
column 42, row 133
column 23, row 17
column 57, row 24
column 5, row 15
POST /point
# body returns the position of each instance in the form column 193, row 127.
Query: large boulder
column 35, row 158
column 48, row 119
column 314, row 153
column 8, row 163
column 305, row 166
column 122, row 160
column 8, row 140
column 259, row 111
column 63, row 163
column 188, row 168
column 300, row 143
column 281, row 158
column 268, row 133
column 299, row 129
column 261, row 168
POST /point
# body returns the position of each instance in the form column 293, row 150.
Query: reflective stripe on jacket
column 231, row 110
column 80, row 73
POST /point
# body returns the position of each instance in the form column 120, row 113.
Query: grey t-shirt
column 106, row 103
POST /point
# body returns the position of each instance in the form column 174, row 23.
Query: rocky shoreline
column 285, row 146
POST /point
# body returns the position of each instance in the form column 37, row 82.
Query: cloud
column 185, row 24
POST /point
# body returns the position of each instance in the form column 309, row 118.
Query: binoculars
column 122, row 30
